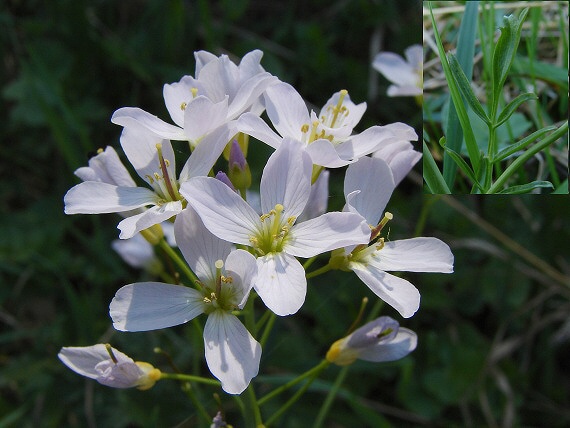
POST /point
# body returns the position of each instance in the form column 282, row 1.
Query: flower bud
column 238, row 170
column 109, row 366
column 379, row 340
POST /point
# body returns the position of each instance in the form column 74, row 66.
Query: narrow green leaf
column 520, row 161
column 458, row 159
column 465, row 53
column 507, row 151
column 432, row 176
column 470, row 142
column 512, row 106
column 504, row 54
column 465, row 88
column 526, row 188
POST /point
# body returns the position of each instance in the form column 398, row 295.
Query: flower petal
column 286, row 110
column 325, row 153
column 242, row 265
column 223, row 211
column 202, row 116
column 83, row 359
column 132, row 225
column 327, row 232
column 414, row 255
column 286, row 179
column 395, row 69
column 94, row 197
column 232, row 354
column 147, row 306
column 134, row 116
column 281, row 283
column 108, row 168
column 207, row 153
column 373, row 177
column 404, row 343
column 253, row 125
column 200, row 248
column 397, row 292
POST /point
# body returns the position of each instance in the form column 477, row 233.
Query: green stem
column 188, row 390
column 315, row 370
column 309, row 262
column 330, row 397
column 182, row 265
column 189, row 378
column 520, row 161
column 254, row 407
column 292, row 400
column 318, row 271
column 268, row 328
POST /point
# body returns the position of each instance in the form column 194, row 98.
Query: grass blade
column 432, row 176
column 526, row 188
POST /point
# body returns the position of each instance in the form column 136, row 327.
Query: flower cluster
column 238, row 244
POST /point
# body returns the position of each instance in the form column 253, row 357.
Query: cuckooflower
column 276, row 237
column 327, row 138
column 226, row 278
column 368, row 186
column 219, row 93
column 154, row 161
column 109, row 366
column 406, row 75
column 377, row 341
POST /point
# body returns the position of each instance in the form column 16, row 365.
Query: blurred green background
column 493, row 337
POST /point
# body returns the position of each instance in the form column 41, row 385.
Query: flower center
column 273, row 232
column 163, row 182
column 222, row 295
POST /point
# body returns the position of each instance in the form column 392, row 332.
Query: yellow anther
column 194, row 92
column 99, row 151
column 227, row 279
column 149, row 178
column 183, row 106
column 156, row 176
column 305, row 128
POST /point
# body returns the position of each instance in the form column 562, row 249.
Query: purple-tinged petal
column 202, row 116
column 253, row 125
column 242, row 266
column 107, row 168
column 404, row 343
column 286, row 110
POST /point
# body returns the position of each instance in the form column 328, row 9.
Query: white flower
column 406, row 75
column 226, row 278
column 219, row 93
column 109, row 366
column 368, row 186
column 275, row 236
column 377, row 341
column 154, row 161
column 327, row 138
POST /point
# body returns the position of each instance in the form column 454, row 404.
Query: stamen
column 194, row 92
column 376, row 230
column 183, row 106
column 110, row 351
column 338, row 108
column 172, row 191
column 219, row 265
